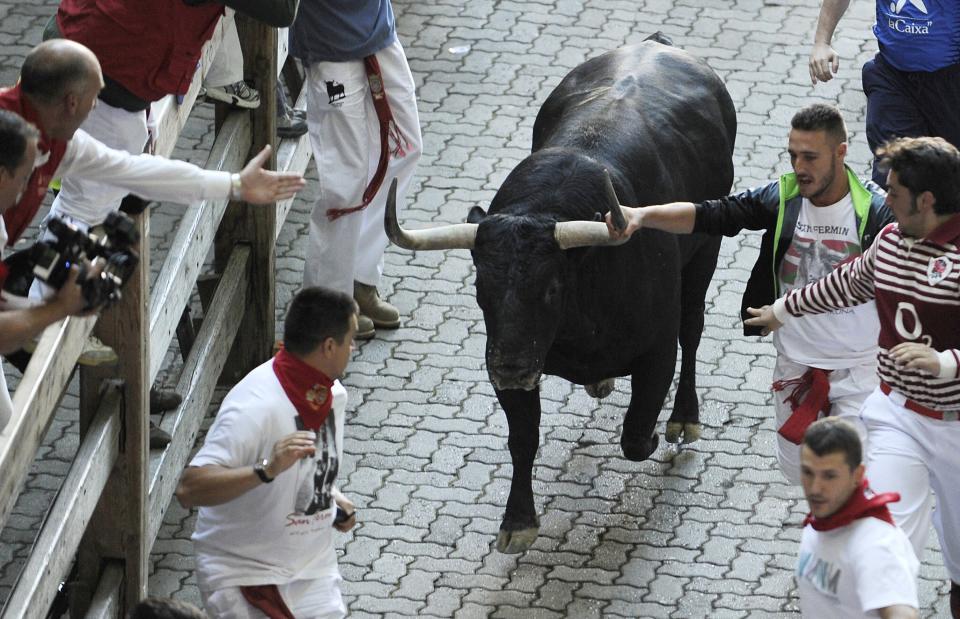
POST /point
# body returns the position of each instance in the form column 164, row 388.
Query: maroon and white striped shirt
column 916, row 284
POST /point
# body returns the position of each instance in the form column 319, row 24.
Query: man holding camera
column 264, row 478
column 58, row 88
column 18, row 150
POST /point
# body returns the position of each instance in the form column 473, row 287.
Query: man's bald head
column 57, row 67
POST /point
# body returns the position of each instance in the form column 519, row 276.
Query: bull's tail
column 659, row 37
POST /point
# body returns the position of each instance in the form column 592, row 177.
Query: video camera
column 51, row 259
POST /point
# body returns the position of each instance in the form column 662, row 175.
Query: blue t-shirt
column 341, row 30
column 918, row 35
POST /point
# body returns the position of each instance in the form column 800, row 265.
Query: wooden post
column 118, row 527
column 255, row 225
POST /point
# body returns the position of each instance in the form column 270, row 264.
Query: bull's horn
column 616, row 215
column 570, row 234
column 455, row 236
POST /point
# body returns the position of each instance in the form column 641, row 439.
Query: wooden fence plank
column 60, row 535
column 197, row 383
column 35, row 401
column 106, row 599
column 194, row 238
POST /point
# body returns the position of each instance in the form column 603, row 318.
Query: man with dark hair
column 264, row 478
column 914, row 80
column 912, row 274
column 853, row 561
column 819, row 216
column 18, row 151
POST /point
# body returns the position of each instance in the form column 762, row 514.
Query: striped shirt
column 916, row 285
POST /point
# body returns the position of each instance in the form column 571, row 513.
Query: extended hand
column 634, row 217
column 763, row 318
column 916, row 356
column 291, row 449
column 260, row 186
column 824, row 63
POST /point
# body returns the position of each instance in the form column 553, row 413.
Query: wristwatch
column 260, row 468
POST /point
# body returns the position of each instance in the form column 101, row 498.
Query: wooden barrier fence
column 110, row 506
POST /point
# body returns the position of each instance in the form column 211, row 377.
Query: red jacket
column 150, row 47
column 18, row 217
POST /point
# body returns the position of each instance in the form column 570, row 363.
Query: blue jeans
column 901, row 103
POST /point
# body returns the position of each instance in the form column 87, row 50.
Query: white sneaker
column 237, row 94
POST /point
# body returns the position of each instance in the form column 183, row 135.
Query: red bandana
column 308, row 388
column 857, row 506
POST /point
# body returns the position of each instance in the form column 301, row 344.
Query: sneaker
column 97, row 353
column 94, row 352
column 382, row 314
column 237, row 94
column 291, row 126
column 162, row 400
column 365, row 328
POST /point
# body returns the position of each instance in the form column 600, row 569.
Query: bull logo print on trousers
column 334, row 91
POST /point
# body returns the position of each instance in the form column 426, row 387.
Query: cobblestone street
column 709, row 530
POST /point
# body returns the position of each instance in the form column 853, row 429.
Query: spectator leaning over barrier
column 18, row 151
column 913, row 83
column 912, row 273
column 365, row 131
column 58, row 87
column 854, row 561
column 147, row 50
column 264, row 478
column 814, row 219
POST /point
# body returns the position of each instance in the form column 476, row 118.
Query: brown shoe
column 382, row 314
column 365, row 328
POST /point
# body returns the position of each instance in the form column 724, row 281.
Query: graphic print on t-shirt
column 316, row 496
column 823, row 239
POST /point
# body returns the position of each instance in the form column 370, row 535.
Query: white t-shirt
column 850, row 572
column 277, row 532
column 824, row 238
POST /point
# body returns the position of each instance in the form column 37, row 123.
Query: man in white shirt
column 265, row 477
column 854, row 561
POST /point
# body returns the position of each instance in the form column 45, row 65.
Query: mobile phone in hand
column 342, row 515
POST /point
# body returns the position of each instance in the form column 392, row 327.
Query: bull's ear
column 475, row 215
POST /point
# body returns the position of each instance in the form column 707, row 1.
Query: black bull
column 557, row 296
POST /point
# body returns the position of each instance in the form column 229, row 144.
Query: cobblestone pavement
column 709, row 531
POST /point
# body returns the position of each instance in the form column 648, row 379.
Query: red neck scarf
column 859, row 505
column 308, row 388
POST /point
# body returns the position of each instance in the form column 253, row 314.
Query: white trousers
column 849, row 387
column 306, row 599
column 345, row 135
column 912, row 454
column 90, row 201
column 227, row 65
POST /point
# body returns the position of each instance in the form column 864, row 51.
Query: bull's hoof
column 514, row 542
column 600, row 390
column 686, row 432
column 638, row 451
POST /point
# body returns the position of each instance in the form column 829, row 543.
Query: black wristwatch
column 260, row 468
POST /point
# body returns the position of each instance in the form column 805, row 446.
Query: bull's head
column 523, row 276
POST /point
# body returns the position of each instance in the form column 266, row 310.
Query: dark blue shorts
column 910, row 104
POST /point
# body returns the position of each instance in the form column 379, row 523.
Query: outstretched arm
column 18, row 326
column 676, row 217
column 824, row 61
